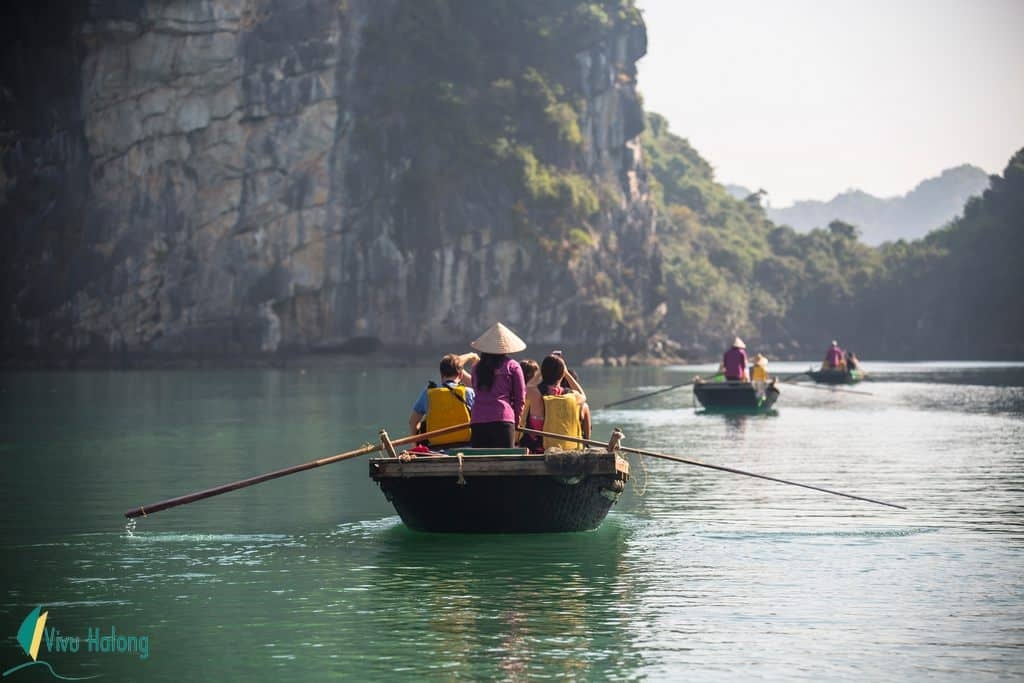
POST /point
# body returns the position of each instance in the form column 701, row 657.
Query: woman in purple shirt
column 500, row 389
column 734, row 361
column 834, row 357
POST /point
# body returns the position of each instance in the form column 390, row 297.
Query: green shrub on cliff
column 486, row 93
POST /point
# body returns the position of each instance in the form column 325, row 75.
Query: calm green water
column 696, row 574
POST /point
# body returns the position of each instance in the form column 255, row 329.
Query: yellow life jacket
column 759, row 374
column 446, row 406
column 562, row 416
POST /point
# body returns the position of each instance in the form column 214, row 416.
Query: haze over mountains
column 930, row 205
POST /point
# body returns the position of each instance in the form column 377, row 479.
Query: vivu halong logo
column 33, row 634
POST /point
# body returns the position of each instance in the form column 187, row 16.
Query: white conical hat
column 498, row 340
column 738, row 343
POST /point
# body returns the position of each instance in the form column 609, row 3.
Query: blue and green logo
column 34, row 635
column 30, row 635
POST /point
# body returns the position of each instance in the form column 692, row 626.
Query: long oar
column 654, row 393
column 832, row 388
column 698, row 463
column 790, row 377
column 144, row 510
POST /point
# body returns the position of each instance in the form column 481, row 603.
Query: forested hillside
column 956, row 293
column 728, row 269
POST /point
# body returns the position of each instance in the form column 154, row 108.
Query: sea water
column 696, row 574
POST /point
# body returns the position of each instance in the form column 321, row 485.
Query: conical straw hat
column 738, row 343
column 498, row 340
column 761, row 360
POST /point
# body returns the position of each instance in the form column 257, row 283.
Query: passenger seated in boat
column 551, row 407
column 531, row 374
column 851, row 361
column 445, row 404
column 834, row 358
column 734, row 361
column 585, row 410
column 759, row 370
column 759, row 373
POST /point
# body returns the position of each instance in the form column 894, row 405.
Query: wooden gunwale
column 496, row 466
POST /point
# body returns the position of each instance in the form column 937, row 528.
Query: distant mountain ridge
column 930, row 205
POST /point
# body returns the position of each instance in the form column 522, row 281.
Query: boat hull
column 734, row 396
column 834, row 376
column 570, row 491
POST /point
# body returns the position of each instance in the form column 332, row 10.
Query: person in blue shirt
column 448, row 403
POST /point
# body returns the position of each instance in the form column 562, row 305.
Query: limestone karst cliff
column 262, row 176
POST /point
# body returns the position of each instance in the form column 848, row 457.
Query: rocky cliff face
column 218, row 177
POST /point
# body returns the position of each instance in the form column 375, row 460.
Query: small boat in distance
column 835, row 376
column 735, row 396
column 483, row 490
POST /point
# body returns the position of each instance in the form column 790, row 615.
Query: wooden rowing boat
column 502, row 491
column 835, row 376
column 735, row 396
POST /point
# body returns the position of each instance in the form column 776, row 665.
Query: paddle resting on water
column 698, row 463
column 144, row 510
column 654, row 393
column 828, row 388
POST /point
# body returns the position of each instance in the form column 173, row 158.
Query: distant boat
column 835, row 376
column 502, row 490
column 735, row 396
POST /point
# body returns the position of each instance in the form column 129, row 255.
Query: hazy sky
column 808, row 98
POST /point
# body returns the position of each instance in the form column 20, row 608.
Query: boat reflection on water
column 736, row 425
column 476, row 602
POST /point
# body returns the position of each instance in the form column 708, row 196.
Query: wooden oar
column 832, row 388
column 654, row 393
column 698, row 463
column 799, row 374
column 144, row 510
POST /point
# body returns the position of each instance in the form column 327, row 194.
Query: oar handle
column 144, row 510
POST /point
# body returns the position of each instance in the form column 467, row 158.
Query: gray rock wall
column 195, row 180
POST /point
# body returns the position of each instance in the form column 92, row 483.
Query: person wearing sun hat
column 500, row 389
column 759, row 374
column 734, row 361
column 759, row 369
column 835, row 359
